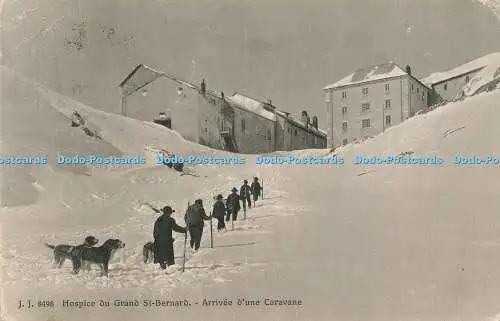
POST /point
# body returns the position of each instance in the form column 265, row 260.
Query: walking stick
column 185, row 245
column 211, row 232
column 262, row 188
column 184, row 255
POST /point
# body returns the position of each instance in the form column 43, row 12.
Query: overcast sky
column 286, row 51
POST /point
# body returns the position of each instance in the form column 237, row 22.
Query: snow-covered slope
column 353, row 242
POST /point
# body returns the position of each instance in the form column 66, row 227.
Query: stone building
column 237, row 123
column 369, row 100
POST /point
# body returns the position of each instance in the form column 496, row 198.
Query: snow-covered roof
column 251, row 105
column 487, row 75
column 257, row 107
column 370, row 73
column 468, row 67
column 311, row 129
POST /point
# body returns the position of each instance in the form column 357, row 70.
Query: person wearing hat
column 162, row 234
column 194, row 218
column 245, row 192
column 255, row 188
column 219, row 212
column 233, row 204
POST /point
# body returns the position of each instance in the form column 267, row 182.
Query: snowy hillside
column 353, row 242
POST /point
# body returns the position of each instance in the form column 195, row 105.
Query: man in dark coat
column 219, row 212
column 163, row 241
column 233, row 204
column 255, row 188
column 194, row 218
column 245, row 192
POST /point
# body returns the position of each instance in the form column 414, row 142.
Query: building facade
column 450, row 87
column 236, row 123
column 368, row 101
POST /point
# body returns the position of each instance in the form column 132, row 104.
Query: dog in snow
column 148, row 252
column 63, row 251
column 101, row 256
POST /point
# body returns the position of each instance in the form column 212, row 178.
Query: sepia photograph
column 270, row 160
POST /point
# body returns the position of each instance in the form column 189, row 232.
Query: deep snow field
column 353, row 242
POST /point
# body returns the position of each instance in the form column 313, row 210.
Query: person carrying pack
column 195, row 216
column 245, row 192
column 219, row 212
column 255, row 188
column 233, row 204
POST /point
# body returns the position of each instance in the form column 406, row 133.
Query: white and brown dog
column 101, row 256
column 63, row 251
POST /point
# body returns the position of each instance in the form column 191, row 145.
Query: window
column 388, row 120
column 387, row 88
column 365, row 107
column 467, row 78
column 387, row 104
column 269, row 134
column 295, row 132
column 365, row 123
column 364, row 91
column 411, row 87
column 344, row 95
column 344, row 126
column 418, row 90
column 344, row 110
column 445, row 86
column 345, row 141
column 243, row 125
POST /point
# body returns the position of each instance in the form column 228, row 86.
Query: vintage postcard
column 250, row 160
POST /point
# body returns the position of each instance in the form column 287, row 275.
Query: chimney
column 408, row 70
column 315, row 122
column 203, row 86
column 304, row 117
column 269, row 106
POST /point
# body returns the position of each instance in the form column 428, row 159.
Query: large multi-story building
column 371, row 99
column 236, row 123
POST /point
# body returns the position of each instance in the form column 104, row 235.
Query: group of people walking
column 195, row 217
